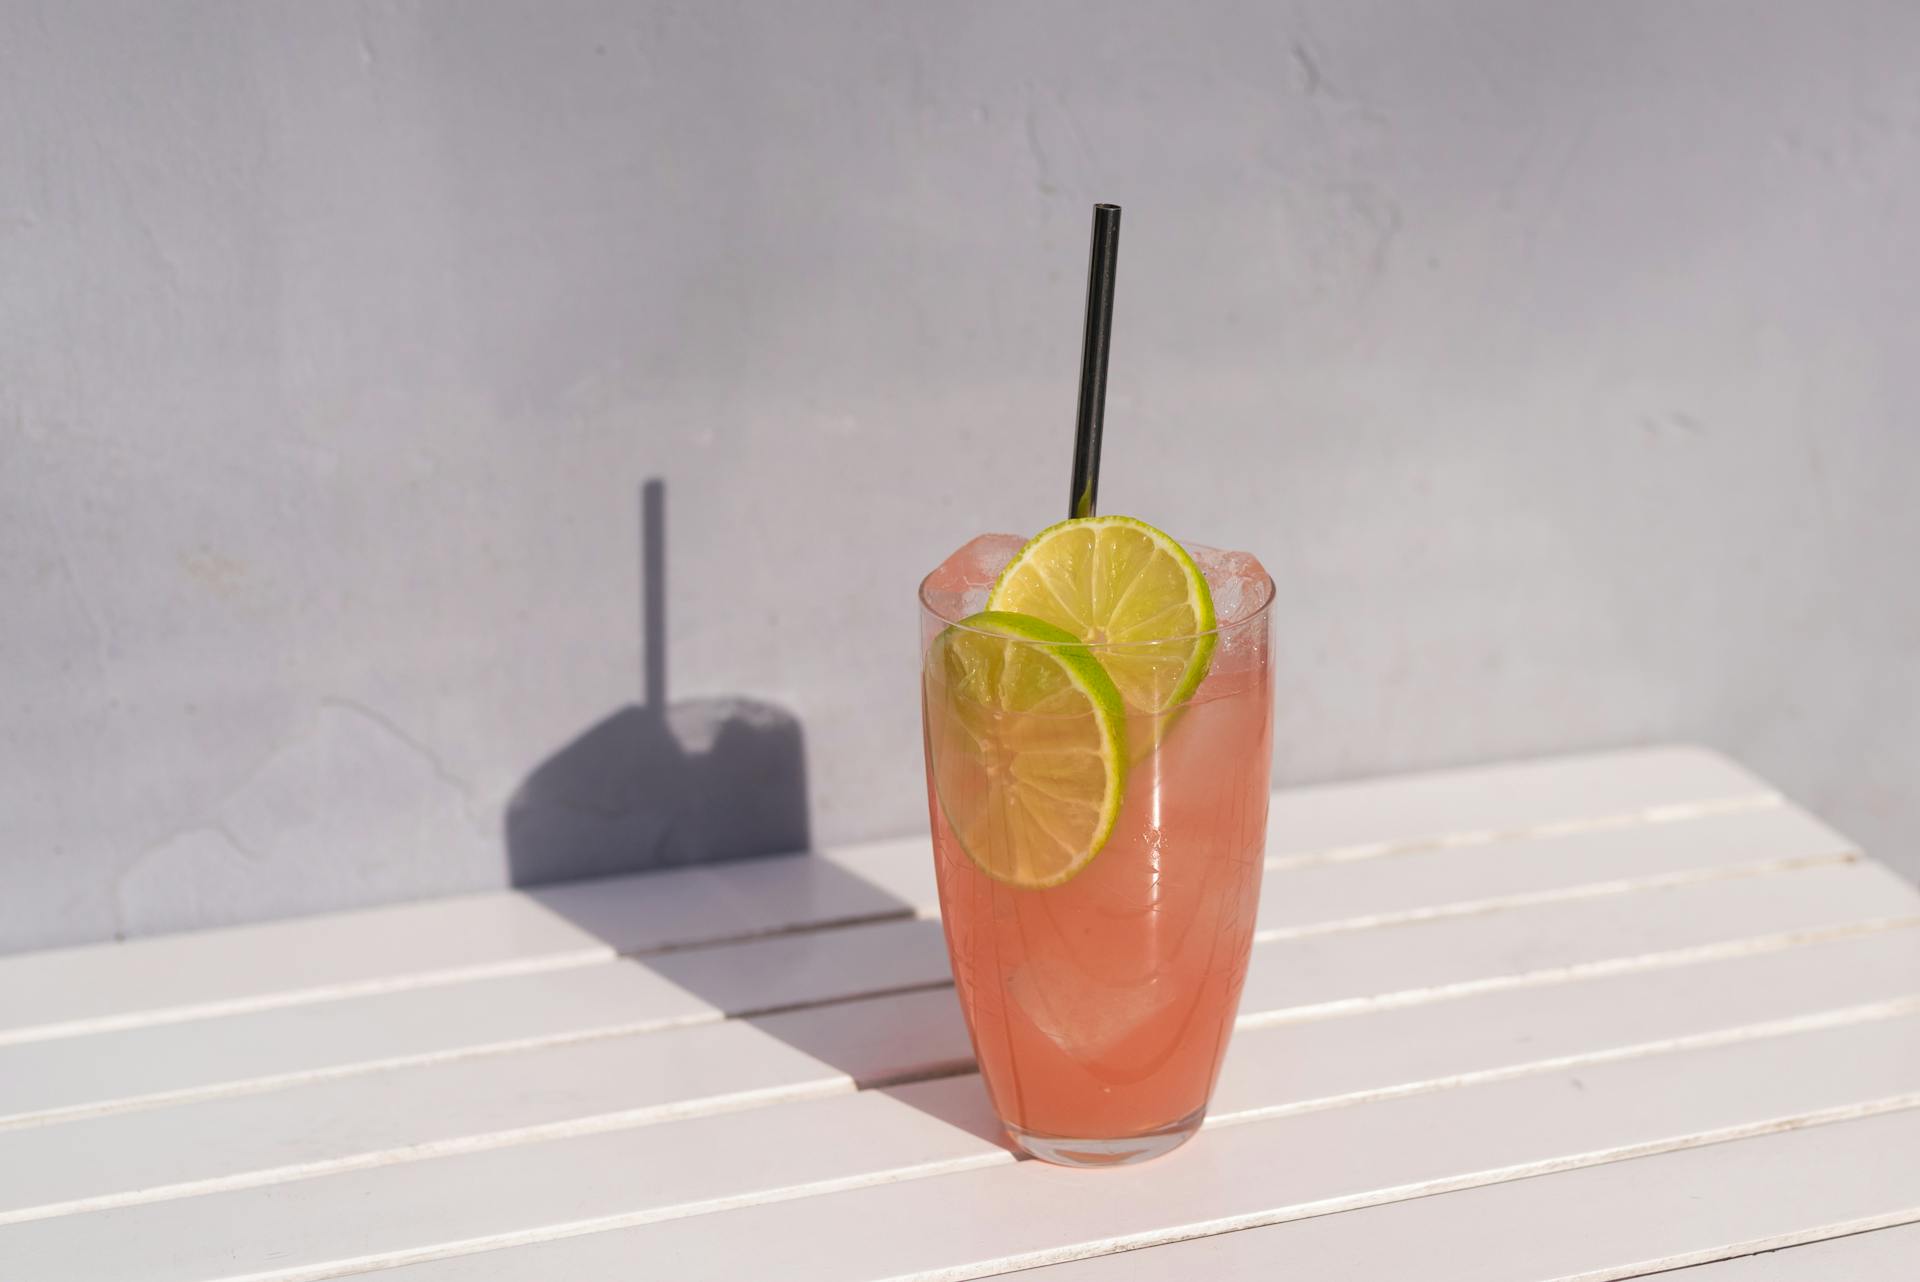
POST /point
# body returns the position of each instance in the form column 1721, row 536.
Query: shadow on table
column 668, row 784
column 940, row 1082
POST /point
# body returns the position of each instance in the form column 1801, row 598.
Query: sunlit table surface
column 1591, row 1017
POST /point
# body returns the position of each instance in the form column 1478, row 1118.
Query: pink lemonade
column 1100, row 1008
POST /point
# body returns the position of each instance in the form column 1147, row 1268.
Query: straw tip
column 1105, row 208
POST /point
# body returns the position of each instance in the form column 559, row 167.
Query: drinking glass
column 1100, row 1008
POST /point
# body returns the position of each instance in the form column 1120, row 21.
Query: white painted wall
column 1560, row 360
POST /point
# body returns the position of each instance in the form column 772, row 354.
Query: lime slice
column 1026, row 741
column 1120, row 584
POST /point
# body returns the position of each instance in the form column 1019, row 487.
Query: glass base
column 1064, row 1151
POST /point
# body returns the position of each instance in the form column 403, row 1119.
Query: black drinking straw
column 1093, row 361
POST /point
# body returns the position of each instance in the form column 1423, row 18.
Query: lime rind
column 1083, row 673
column 1122, row 651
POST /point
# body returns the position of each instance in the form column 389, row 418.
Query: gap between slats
column 1750, row 947
column 1889, row 1244
column 430, row 979
column 304, row 996
column 1558, row 894
column 1838, row 1018
column 482, row 1143
column 1651, row 815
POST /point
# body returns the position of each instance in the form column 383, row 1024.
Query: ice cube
column 1237, row 580
column 959, row 586
column 1240, row 589
column 1081, row 1014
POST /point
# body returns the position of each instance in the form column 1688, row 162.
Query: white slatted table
column 1588, row 1018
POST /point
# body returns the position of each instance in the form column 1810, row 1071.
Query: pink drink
column 1100, row 1008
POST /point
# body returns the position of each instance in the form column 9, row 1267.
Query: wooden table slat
column 1621, row 1220
column 1456, row 879
column 1487, row 802
column 92, row 989
column 1545, row 943
column 408, row 1115
column 181, row 977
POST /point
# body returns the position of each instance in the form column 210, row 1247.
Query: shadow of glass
column 659, row 785
column 959, row 1101
column 663, row 787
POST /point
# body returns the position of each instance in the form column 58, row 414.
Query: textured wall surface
column 1563, row 362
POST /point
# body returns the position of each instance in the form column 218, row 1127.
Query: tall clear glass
column 1100, row 1008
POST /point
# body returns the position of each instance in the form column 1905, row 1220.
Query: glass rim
column 1262, row 606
